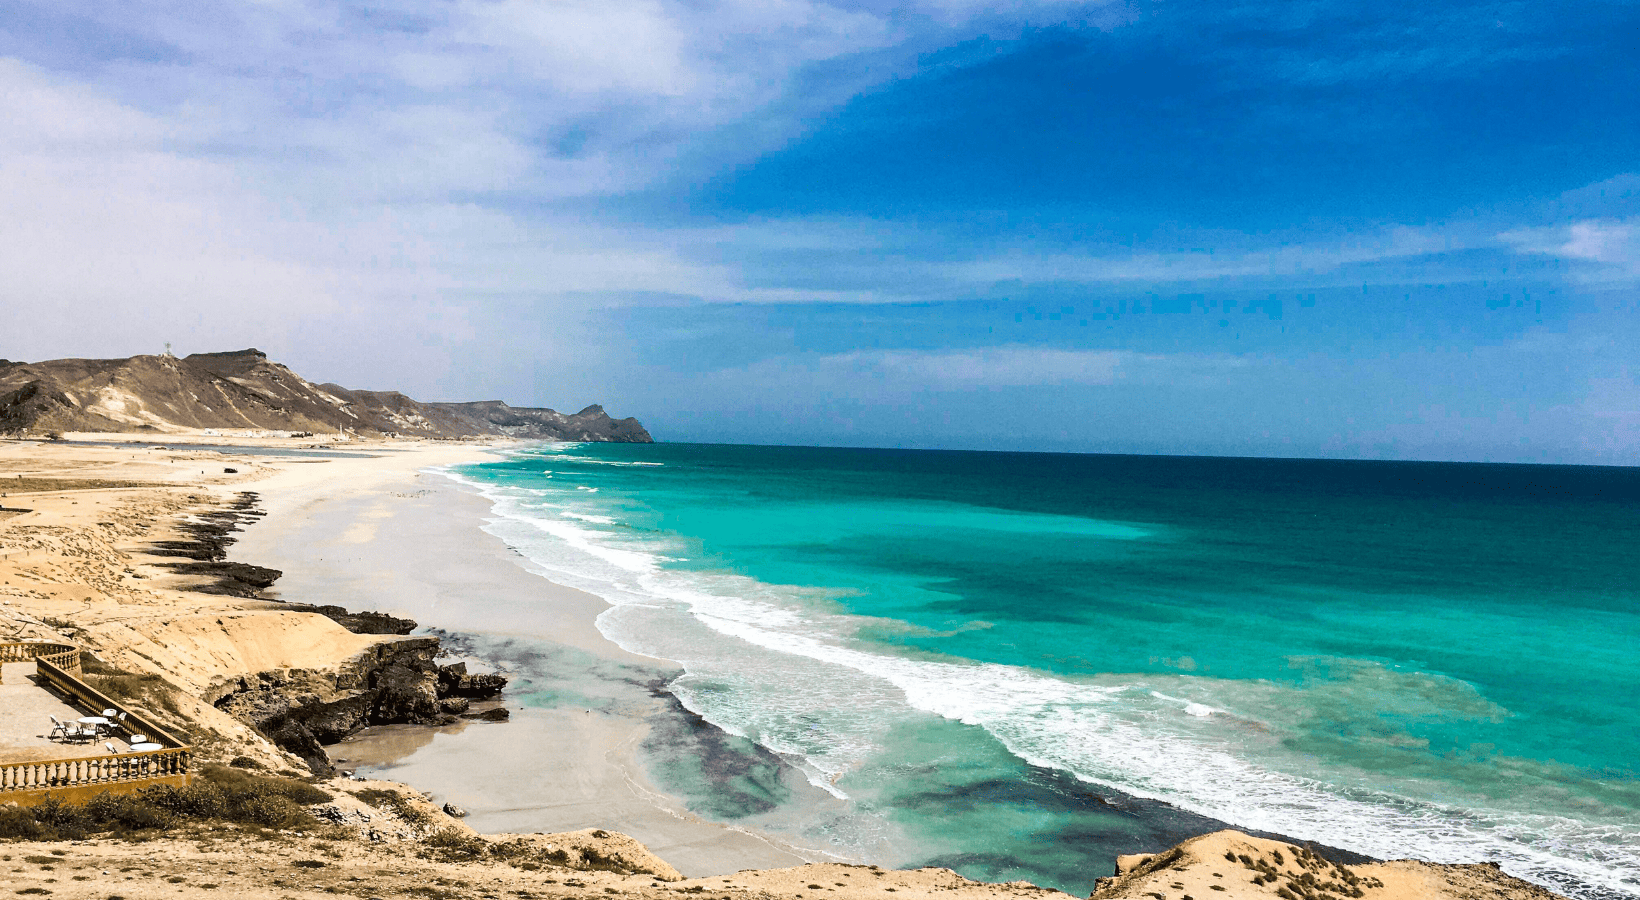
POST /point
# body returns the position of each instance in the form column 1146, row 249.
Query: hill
column 245, row 390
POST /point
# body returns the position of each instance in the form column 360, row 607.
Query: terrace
column 39, row 680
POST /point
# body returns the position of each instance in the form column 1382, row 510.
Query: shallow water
column 968, row 651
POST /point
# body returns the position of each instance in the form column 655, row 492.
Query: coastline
column 382, row 534
column 83, row 562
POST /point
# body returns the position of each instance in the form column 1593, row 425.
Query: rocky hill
column 245, row 390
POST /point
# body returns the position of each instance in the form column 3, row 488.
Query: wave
column 743, row 643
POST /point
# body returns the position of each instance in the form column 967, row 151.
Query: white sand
column 378, row 534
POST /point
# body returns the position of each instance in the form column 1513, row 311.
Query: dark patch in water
column 740, row 777
column 1090, row 827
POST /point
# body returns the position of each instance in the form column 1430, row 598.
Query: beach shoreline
column 388, row 535
column 90, row 560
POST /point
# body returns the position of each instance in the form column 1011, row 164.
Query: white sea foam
column 588, row 517
column 747, row 645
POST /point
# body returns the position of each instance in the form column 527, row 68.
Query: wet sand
column 378, row 534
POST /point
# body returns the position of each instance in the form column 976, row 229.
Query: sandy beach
column 382, row 534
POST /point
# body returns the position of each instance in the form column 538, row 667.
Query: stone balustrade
column 58, row 667
column 40, row 776
column 64, row 656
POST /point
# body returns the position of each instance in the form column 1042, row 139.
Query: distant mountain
column 244, row 390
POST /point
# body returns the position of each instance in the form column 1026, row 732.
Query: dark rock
column 453, row 681
column 233, row 579
column 209, row 532
column 294, row 737
column 455, row 705
column 499, row 714
column 454, row 811
column 407, row 688
column 361, row 622
column 394, row 682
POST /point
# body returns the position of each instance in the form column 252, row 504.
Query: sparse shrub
column 245, row 762
column 395, row 803
column 450, row 842
column 221, row 794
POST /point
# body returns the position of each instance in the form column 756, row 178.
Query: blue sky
column 1266, row 228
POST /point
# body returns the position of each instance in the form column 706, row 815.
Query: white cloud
column 1611, row 245
column 877, row 374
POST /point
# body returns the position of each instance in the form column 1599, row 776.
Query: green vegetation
column 396, row 803
column 220, row 794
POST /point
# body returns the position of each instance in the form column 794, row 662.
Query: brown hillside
column 245, row 390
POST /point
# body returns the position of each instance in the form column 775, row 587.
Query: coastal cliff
column 243, row 389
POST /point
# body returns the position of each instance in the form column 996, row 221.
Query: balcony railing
column 64, row 656
column 58, row 666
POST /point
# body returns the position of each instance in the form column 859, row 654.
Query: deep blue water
column 1402, row 659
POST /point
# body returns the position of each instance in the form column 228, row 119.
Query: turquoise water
column 1014, row 663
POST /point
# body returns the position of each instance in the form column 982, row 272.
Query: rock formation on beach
column 245, row 390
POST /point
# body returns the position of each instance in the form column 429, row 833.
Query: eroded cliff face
column 395, row 682
column 392, row 682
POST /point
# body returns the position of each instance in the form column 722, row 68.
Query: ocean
column 1018, row 664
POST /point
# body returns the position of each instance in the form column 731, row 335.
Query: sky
column 1321, row 228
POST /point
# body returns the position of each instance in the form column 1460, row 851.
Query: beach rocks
column 455, row 706
column 455, row 682
column 362, row 622
column 498, row 714
column 454, row 811
column 232, row 579
column 300, row 710
column 407, row 687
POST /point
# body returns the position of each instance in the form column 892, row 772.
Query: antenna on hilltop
column 168, row 350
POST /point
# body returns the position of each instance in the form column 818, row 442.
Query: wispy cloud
column 1611, row 246
column 888, row 373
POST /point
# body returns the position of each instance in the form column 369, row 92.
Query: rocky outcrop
column 395, row 682
column 455, row 682
column 208, row 535
column 243, row 389
column 361, row 622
